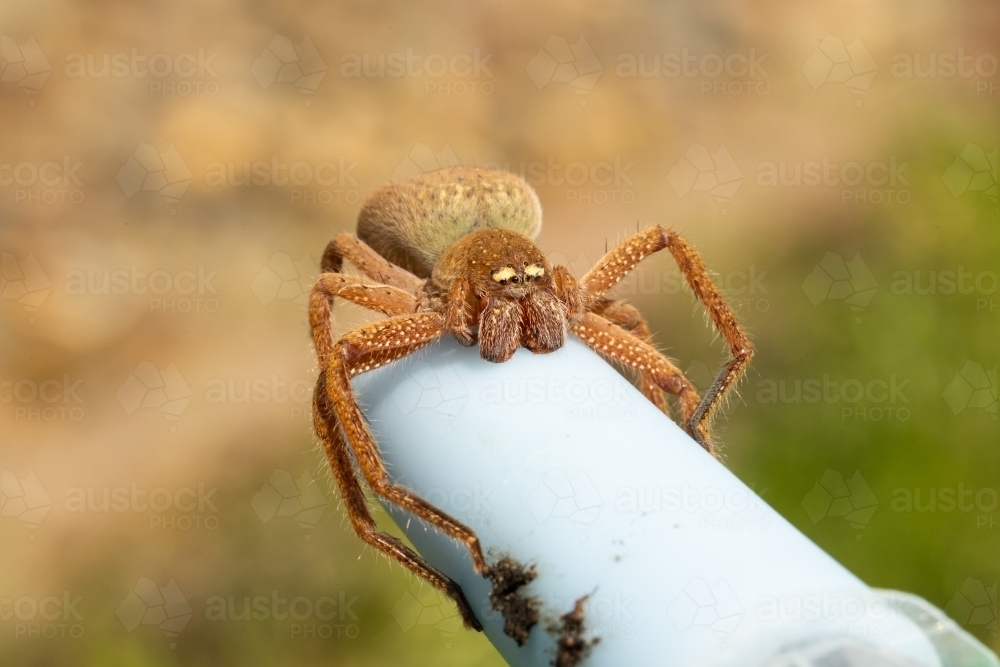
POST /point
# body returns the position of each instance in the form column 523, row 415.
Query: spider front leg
column 631, row 320
column 459, row 317
column 329, row 432
column 391, row 301
column 368, row 348
column 383, row 298
column 622, row 259
column 625, row 316
column 615, row 343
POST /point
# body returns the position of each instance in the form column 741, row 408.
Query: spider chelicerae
column 452, row 252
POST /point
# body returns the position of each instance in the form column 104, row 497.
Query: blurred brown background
column 169, row 177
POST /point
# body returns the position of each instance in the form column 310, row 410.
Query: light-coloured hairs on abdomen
column 412, row 222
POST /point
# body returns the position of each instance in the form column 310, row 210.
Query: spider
column 452, row 252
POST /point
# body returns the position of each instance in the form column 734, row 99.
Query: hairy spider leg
column 394, row 302
column 617, row 263
column 365, row 349
column 615, row 343
column 329, row 432
column 625, row 316
column 375, row 266
column 631, row 320
column 383, row 298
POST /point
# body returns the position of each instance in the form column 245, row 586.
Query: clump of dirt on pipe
column 520, row 612
column 571, row 646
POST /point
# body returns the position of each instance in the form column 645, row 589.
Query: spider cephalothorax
column 453, row 252
column 507, row 289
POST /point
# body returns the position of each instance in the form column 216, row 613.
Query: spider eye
column 503, row 275
column 535, row 271
column 515, row 280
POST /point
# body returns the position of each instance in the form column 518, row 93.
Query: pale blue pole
column 558, row 462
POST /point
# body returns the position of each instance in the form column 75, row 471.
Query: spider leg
column 631, row 320
column 394, row 302
column 622, row 259
column 353, row 495
column 615, row 343
column 459, row 317
column 367, row 348
column 375, row 266
column 569, row 292
column 383, row 298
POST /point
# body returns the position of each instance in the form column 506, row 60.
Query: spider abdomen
column 414, row 221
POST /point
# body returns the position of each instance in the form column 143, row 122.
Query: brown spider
column 452, row 252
